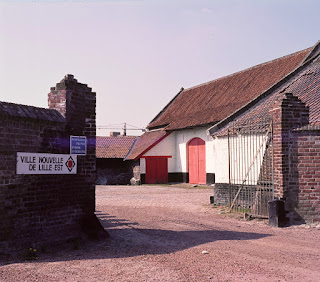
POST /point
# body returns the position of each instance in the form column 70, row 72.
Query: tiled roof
column 305, row 85
column 146, row 141
column 213, row 101
column 23, row 111
column 309, row 127
column 114, row 147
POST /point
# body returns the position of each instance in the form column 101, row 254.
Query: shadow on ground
column 138, row 241
column 128, row 240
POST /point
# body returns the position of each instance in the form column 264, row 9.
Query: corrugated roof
column 145, row 141
column 23, row 111
column 213, row 101
column 114, row 147
column 305, row 85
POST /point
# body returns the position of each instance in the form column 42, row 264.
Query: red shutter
column 156, row 170
column 197, row 161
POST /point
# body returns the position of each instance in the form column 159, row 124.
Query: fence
column 250, row 154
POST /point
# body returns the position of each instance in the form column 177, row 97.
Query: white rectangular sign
column 42, row 163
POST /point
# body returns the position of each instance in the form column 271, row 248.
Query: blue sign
column 78, row 145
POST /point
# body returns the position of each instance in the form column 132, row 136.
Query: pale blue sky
column 137, row 54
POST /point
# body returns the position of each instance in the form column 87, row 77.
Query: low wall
column 304, row 176
column 224, row 193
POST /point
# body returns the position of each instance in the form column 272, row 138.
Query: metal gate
column 250, row 153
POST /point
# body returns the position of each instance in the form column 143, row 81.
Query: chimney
column 114, row 134
column 76, row 102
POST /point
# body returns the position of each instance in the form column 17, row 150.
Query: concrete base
column 277, row 216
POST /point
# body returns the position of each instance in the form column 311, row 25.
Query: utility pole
column 125, row 129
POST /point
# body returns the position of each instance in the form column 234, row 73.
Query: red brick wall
column 37, row 209
column 296, row 160
column 305, row 155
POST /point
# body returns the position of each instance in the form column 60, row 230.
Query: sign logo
column 70, row 163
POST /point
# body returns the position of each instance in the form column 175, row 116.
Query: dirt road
column 171, row 234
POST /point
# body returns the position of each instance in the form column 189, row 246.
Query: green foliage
column 30, row 254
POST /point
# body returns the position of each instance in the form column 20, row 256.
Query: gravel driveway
column 163, row 233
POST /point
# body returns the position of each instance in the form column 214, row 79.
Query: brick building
column 36, row 209
column 112, row 168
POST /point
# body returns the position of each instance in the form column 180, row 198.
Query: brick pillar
column 77, row 103
column 288, row 113
column 276, row 113
column 90, row 133
column 57, row 97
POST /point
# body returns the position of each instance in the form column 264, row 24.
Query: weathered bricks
column 296, row 159
column 37, row 209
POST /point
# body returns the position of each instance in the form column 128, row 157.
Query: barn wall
column 164, row 148
column 219, row 159
column 175, row 145
column 182, row 138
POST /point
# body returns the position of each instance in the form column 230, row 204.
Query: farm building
column 111, row 167
column 274, row 148
column 205, row 134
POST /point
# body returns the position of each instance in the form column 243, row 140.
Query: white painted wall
column 175, row 145
column 182, row 138
column 142, row 165
column 217, row 158
column 167, row 147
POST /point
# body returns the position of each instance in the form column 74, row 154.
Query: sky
column 137, row 54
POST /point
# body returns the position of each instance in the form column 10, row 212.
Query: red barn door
column 197, row 161
column 156, row 170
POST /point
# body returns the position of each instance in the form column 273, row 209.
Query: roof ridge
column 270, row 91
column 166, row 106
column 119, row 136
column 8, row 109
column 314, row 52
column 250, row 68
column 24, row 105
column 131, row 149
